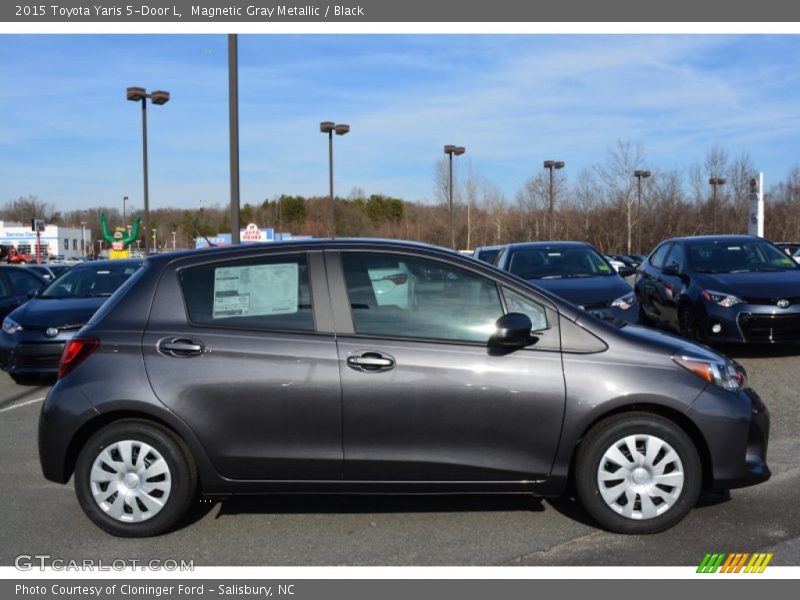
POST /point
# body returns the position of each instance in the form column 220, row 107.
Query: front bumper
column 31, row 352
column 735, row 427
column 751, row 323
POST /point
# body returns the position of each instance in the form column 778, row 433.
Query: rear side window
column 657, row 257
column 263, row 293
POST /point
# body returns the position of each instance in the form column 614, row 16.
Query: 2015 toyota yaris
column 282, row 368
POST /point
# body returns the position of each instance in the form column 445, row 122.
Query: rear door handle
column 180, row 347
column 371, row 362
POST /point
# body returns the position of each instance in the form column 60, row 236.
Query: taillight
column 75, row 352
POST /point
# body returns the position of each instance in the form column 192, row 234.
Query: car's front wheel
column 637, row 473
column 135, row 479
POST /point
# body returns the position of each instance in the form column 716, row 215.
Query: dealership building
column 55, row 240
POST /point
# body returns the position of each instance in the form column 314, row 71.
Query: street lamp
column 450, row 150
column 330, row 127
column 158, row 97
column 715, row 183
column 174, row 233
column 154, row 239
column 83, row 239
column 639, row 175
column 124, row 217
column 550, row 165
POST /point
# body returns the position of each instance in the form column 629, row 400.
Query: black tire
column 602, row 437
column 687, row 324
column 26, row 378
column 182, row 470
column 643, row 318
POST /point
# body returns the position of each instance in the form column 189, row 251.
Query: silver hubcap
column 640, row 477
column 130, row 481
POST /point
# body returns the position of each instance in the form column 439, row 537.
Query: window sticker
column 255, row 290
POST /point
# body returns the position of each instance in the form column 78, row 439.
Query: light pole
column 83, row 239
column 330, row 127
column 551, row 165
column 450, row 150
column 158, row 97
column 124, row 213
column 715, row 183
column 639, row 175
column 154, row 239
column 174, row 233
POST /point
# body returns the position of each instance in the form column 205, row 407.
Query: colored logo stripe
column 735, row 562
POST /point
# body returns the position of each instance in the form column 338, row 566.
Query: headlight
column 625, row 302
column 10, row 326
column 724, row 373
column 720, row 298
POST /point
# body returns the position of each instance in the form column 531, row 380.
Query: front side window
column 23, row 282
column 657, row 257
column 271, row 293
column 404, row 296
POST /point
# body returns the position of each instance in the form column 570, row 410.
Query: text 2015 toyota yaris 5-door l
column 280, row 368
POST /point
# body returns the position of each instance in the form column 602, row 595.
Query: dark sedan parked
column 17, row 284
column 577, row 272
column 722, row 288
column 280, row 368
column 34, row 334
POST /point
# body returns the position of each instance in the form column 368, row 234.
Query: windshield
column 89, row 281
column 559, row 263
column 738, row 257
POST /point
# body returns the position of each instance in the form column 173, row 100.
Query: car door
column 671, row 285
column 18, row 283
column 425, row 398
column 8, row 299
column 650, row 280
column 243, row 350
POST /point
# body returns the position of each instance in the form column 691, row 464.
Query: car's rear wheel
column 135, row 479
column 637, row 473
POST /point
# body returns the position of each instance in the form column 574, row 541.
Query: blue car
column 578, row 273
column 724, row 288
column 33, row 335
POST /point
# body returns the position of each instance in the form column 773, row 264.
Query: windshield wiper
column 552, row 277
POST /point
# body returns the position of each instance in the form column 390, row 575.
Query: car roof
column 722, row 239
column 105, row 263
column 303, row 245
column 557, row 244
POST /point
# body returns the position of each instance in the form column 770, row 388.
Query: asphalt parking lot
column 40, row 517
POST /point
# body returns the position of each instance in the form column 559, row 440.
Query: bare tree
column 25, row 208
column 617, row 174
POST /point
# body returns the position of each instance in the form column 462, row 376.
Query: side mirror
column 671, row 270
column 626, row 271
column 513, row 330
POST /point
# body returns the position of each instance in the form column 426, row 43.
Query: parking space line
column 21, row 404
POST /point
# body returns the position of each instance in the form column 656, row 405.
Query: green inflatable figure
column 119, row 241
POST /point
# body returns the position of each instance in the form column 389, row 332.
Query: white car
column 796, row 256
column 614, row 263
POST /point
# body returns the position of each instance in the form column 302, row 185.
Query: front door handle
column 371, row 362
column 180, row 347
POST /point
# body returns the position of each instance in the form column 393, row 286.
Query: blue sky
column 68, row 136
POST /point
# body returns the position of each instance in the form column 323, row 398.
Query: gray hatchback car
column 280, row 368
